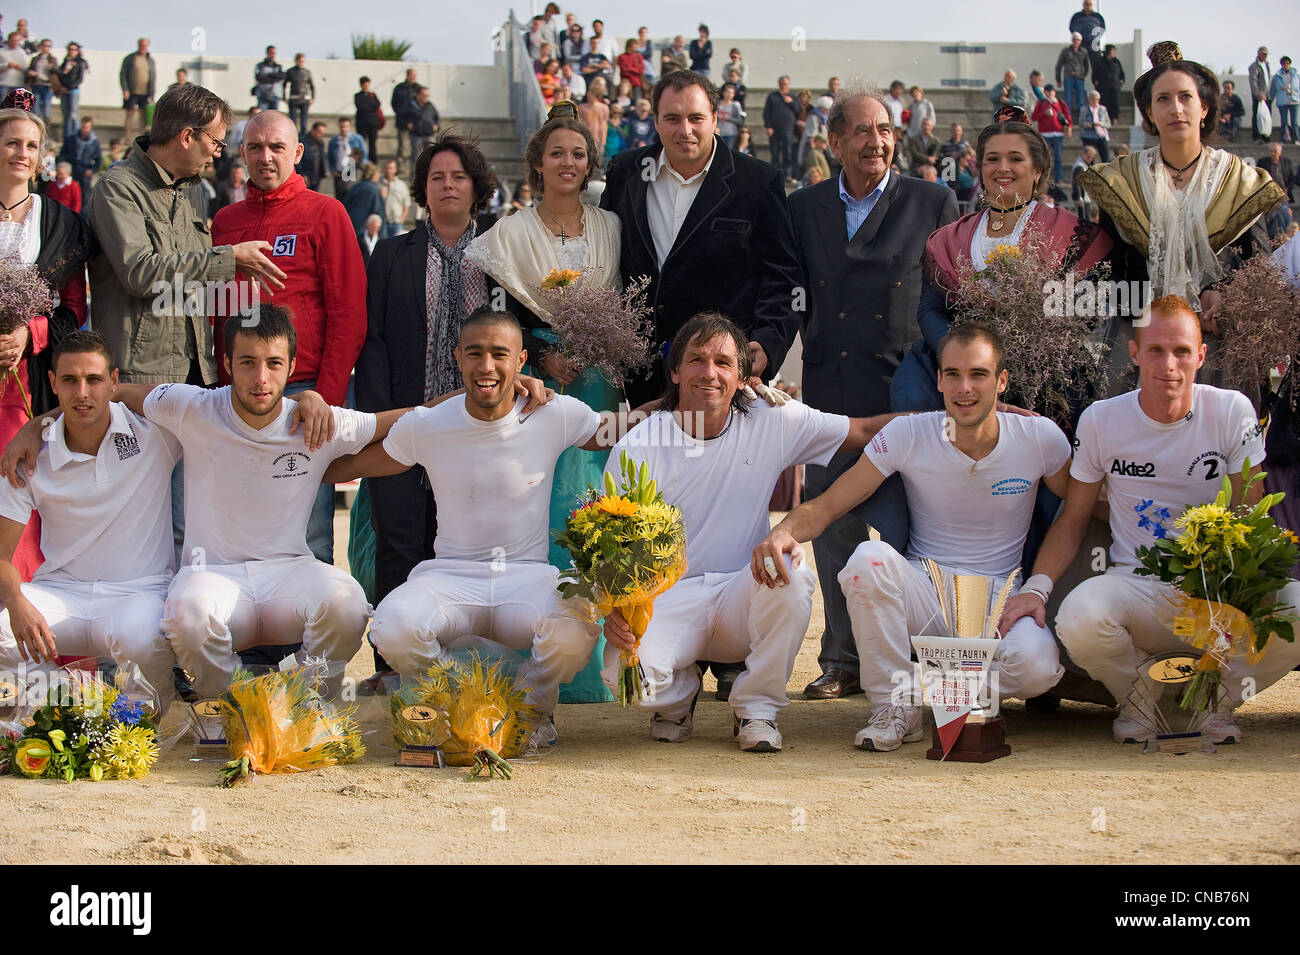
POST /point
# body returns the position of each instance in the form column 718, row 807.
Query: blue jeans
column 298, row 114
column 1288, row 123
column 71, row 118
column 1057, row 142
column 43, row 96
column 270, row 101
column 390, row 229
column 320, row 525
column 1074, row 96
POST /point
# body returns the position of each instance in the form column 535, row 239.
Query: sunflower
column 616, row 505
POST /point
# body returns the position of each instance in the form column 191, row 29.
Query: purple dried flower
column 1052, row 352
column 602, row 328
column 1259, row 323
column 23, row 295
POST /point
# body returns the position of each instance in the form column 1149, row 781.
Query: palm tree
column 370, row 47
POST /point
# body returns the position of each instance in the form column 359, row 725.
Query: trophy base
column 428, row 757
column 1178, row 744
column 978, row 743
column 211, row 749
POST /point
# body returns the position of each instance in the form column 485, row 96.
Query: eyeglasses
column 1013, row 114
column 220, row 144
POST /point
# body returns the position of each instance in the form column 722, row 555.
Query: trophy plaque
column 1154, row 702
column 430, row 727
column 967, row 727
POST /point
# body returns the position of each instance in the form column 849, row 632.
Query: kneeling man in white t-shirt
column 491, row 467
column 250, row 480
column 971, row 474
column 716, row 454
column 102, row 485
column 1158, row 451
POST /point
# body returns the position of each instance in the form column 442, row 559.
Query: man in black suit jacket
column 1283, row 173
column 708, row 226
column 860, row 238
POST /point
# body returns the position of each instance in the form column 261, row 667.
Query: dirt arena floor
column 607, row 793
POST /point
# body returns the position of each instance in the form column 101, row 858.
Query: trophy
column 967, row 726
column 421, row 729
column 1154, row 702
column 209, row 732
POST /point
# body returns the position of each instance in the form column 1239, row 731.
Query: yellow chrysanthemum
column 560, row 278
column 130, row 752
column 618, row 506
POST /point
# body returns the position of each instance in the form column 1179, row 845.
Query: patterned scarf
column 453, row 288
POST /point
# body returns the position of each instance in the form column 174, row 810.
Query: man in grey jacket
column 152, row 242
column 1071, row 72
column 1260, row 76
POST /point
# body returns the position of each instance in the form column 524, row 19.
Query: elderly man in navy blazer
column 709, row 227
column 860, row 237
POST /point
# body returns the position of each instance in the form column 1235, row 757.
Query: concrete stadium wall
column 475, row 91
column 970, row 64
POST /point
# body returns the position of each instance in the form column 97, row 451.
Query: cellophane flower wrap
column 23, row 296
column 279, row 723
column 1228, row 562
column 478, row 714
column 628, row 546
column 1053, row 356
column 87, row 729
column 601, row 328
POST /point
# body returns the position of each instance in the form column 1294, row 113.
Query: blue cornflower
column 126, row 711
column 1140, row 508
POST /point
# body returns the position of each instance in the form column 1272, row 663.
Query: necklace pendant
column 5, row 216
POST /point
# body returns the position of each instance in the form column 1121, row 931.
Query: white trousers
column 215, row 611
column 1110, row 622
column 727, row 618
column 515, row 605
column 98, row 619
column 891, row 599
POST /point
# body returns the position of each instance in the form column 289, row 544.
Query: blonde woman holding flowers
column 559, row 232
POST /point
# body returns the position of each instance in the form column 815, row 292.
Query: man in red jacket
column 313, row 242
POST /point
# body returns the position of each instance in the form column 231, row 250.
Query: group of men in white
column 99, row 475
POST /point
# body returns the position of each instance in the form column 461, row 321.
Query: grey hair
column 852, row 91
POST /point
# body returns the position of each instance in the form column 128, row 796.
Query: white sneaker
column 671, row 731
column 1221, row 727
column 757, row 736
column 892, row 725
column 1130, row 727
column 544, row 736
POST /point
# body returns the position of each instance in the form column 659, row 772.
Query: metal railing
column 526, row 103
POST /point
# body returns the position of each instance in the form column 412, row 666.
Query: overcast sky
column 1220, row 34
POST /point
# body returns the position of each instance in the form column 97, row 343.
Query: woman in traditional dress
column 1014, row 165
column 1183, row 214
column 561, row 232
column 55, row 241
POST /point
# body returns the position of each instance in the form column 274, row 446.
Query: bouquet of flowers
column 279, row 723
column 85, row 730
column 599, row 328
column 23, row 294
column 1053, row 349
column 1228, row 561
column 1259, row 323
column 628, row 546
column 479, row 717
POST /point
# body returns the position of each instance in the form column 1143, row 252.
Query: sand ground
column 608, row 793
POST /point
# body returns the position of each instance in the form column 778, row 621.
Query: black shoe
column 184, row 689
column 836, row 682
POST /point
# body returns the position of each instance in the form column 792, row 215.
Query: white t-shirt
column 248, row 492
column 491, row 479
column 1153, row 471
column 105, row 516
column 722, row 485
column 965, row 514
